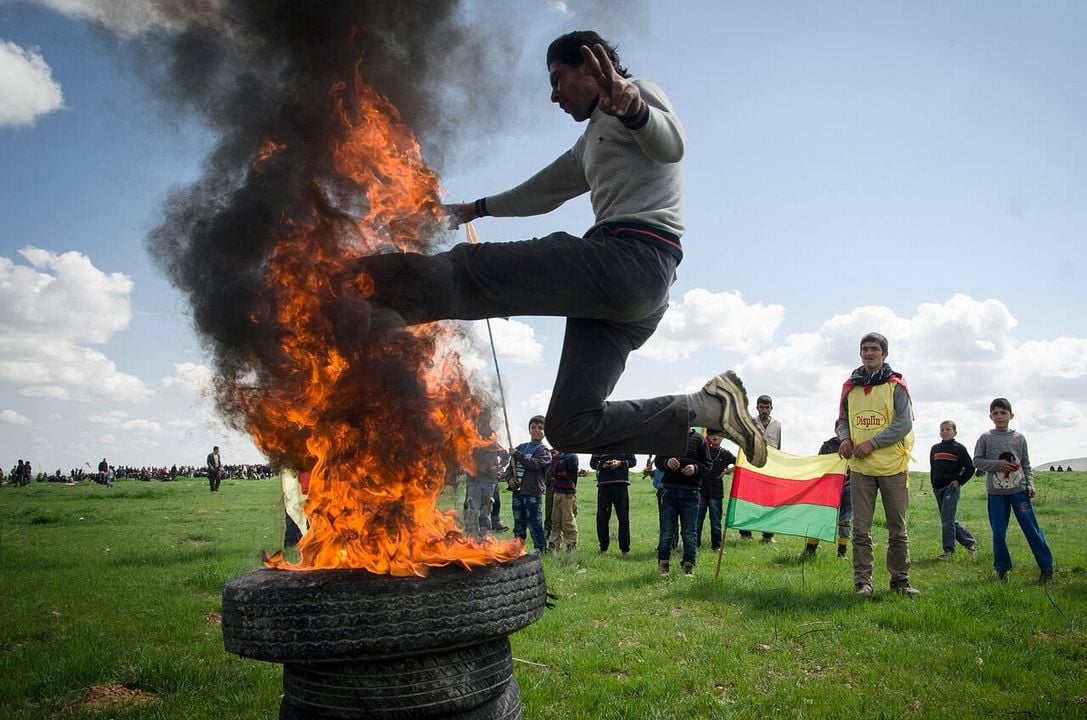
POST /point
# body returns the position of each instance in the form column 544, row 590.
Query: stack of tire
column 358, row 645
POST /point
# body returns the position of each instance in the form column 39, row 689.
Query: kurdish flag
column 790, row 495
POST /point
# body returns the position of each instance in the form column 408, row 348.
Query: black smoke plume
column 262, row 71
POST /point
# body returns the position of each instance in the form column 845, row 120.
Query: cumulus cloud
column 705, row 320
column 514, row 340
column 50, row 312
column 27, row 87
column 956, row 356
column 13, row 418
column 190, row 379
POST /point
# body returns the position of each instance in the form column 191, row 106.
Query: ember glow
column 385, row 418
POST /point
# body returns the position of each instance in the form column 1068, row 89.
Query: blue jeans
column 947, row 502
column 713, row 506
column 1000, row 507
column 528, row 515
column 678, row 506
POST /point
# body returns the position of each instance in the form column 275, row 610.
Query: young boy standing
column 1002, row 454
column 951, row 468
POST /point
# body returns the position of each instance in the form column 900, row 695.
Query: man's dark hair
column 536, row 419
column 876, row 338
column 764, row 400
column 1000, row 404
column 566, row 49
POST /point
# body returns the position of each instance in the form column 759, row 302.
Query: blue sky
column 913, row 169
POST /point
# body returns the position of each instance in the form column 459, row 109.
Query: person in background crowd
column 879, row 455
column 682, row 482
column 526, row 479
column 480, row 489
column 564, row 472
column 950, row 468
column 845, row 508
column 613, row 491
column 712, row 493
column 1002, row 454
column 215, row 469
column 771, row 430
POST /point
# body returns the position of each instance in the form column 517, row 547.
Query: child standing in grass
column 951, row 468
column 1002, row 454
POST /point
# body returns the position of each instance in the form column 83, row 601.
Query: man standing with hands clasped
column 611, row 284
column 875, row 425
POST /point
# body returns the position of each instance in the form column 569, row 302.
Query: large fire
column 380, row 420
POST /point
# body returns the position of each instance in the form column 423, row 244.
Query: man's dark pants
column 678, row 507
column 613, row 291
column 609, row 495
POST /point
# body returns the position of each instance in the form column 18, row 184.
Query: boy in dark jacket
column 682, row 483
column 950, row 467
column 530, row 463
column 612, row 490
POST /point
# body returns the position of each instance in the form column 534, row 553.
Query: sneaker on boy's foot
column 906, row 589
column 944, row 556
column 1045, row 576
column 809, row 550
column 688, row 568
column 1001, row 575
column 972, row 549
column 663, row 567
column 734, row 420
column 768, row 540
column 864, row 590
column 842, row 551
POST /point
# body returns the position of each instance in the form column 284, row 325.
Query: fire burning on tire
column 316, row 166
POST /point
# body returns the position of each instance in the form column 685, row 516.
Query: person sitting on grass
column 950, row 469
column 1009, row 480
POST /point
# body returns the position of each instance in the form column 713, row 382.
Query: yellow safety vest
column 869, row 414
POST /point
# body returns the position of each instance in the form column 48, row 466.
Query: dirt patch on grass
column 214, row 618
column 103, row 696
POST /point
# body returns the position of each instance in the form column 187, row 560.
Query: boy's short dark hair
column 876, row 338
column 536, row 419
column 1000, row 404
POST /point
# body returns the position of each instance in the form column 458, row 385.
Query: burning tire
column 437, row 684
column 325, row 615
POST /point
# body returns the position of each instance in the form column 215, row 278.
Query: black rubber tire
column 505, row 706
column 325, row 615
column 420, row 686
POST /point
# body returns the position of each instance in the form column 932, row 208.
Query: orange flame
column 382, row 424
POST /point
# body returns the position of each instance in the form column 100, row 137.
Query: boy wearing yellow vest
column 875, row 425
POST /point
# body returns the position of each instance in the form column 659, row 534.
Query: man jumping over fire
column 612, row 284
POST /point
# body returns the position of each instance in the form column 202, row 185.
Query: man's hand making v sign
column 618, row 95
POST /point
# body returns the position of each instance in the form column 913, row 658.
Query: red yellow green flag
column 790, row 495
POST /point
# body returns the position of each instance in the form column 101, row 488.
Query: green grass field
column 111, row 599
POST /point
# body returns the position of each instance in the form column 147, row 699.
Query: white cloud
column 50, row 312
column 13, row 418
column 27, row 88
column 956, row 356
column 705, row 320
column 190, row 379
column 514, row 341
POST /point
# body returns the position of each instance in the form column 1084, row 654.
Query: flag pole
column 720, row 552
column 473, row 239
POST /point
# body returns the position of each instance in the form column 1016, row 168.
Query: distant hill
column 1074, row 463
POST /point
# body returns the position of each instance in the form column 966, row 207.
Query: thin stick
column 473, row 239
column 720, row 552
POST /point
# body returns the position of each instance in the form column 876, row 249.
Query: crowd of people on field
column 22, row 474
column 874, row 433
